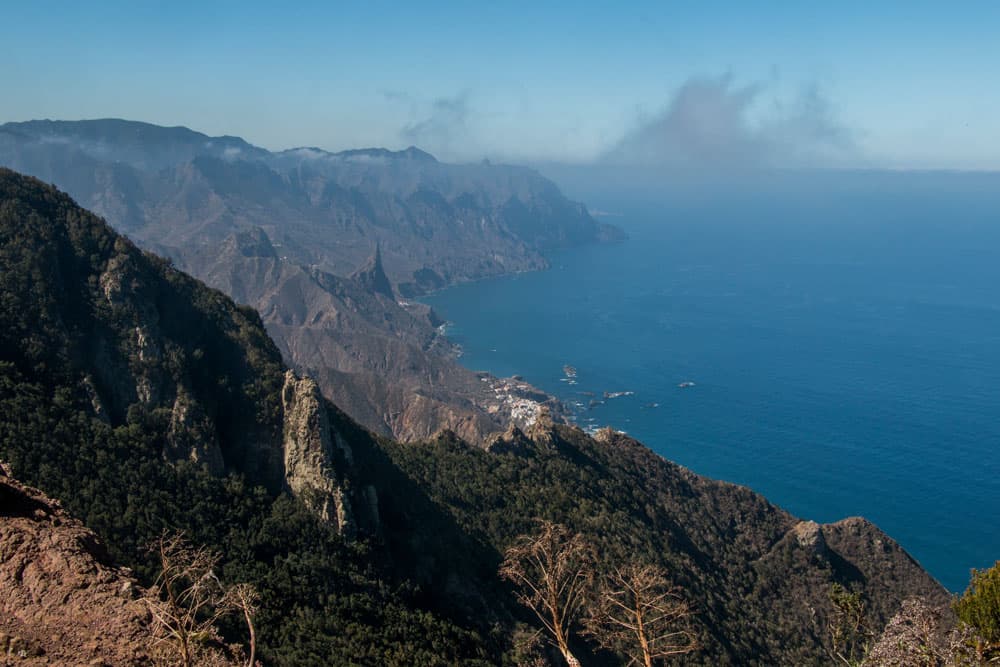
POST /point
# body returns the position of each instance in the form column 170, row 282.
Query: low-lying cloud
column 711, row 122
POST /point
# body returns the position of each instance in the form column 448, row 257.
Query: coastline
column 759, row 411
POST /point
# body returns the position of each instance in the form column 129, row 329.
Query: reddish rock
column 61, row 600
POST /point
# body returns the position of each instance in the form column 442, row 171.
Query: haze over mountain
column 285, row 231
column 177, row 189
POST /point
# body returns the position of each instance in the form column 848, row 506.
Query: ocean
column 841, row 338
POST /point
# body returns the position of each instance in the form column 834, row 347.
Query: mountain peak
column 372, row 275
column 414, row 153
column 252, row 242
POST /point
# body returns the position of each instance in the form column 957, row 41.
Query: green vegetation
column 320, row 597
column 850, row 636
column 925, row 635
column 754, row 590
column 87, row 417
column 979, row 608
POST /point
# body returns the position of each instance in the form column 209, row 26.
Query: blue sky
column 887, row 84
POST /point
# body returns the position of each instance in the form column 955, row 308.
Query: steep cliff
column 282, row 231
column 381, row 360
column 133, row 340
column 309, row 444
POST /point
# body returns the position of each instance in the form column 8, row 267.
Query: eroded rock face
column 123, row 286
column 61, row 601
column 191, row 434
column 513, row 441
column 542, row 430
column 372, row 276
column 809, row 535
column 310, row 471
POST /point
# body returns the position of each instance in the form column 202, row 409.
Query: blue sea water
column 844, row 342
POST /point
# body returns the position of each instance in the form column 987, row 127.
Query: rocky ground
column 61, row 601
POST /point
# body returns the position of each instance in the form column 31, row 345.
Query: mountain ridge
column 182, row 195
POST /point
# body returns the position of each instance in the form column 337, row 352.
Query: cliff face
column 382, row 360
column 309, row 442
column 279, row 231
column 135, row 341
column 61, row 600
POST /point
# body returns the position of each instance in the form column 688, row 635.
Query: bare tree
column 188, row 599
column 639, row 613
column 911, row 638
column 553, row 570
column 918, row 636
column 244, row 598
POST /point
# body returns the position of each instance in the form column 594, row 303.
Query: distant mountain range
column 177, row 189
column 284, row 232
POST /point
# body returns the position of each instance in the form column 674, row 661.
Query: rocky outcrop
column 884, row 567
column 308, row 444
column 61, row 600
column 190, row 434
column 809, row 535
column 543, row 430
column 382, row 360
column 511, row 441
column 372, row 276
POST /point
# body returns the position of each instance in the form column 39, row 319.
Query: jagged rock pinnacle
column 512, row 440
column 372, row 275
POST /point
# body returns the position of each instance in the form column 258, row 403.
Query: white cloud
column 712, row 122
